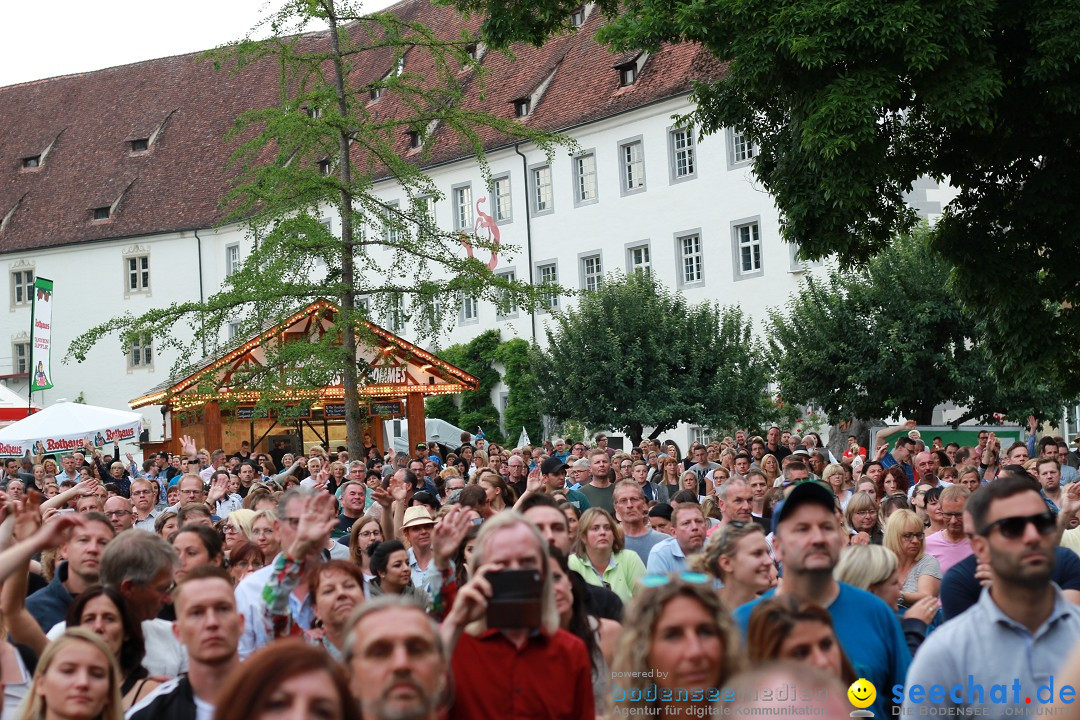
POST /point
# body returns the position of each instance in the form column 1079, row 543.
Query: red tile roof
column 90, row 120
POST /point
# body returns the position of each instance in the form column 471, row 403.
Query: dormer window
column 630, row 67
column 577, row 18
column 31, row 162
column 627, row 75
column 313, row 112
column 400, row 67
column 140, row 145
column 522, row 107
column 101, row 213
column 414, row 139
column 376, row 93
column 473, row 50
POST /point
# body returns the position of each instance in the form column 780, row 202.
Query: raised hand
column 382, row 497
column 881, row 451
column 317, row 521
column 535, row 482
column 27, row 515
column 187, row 446
column 472, row 599
column 218, row 489
column 449, row 534
column 55, row 532
column 398, row 489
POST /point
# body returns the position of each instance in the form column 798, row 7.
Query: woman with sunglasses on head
column 677, row 628
column 919, row 572
column 785, row 627
column 738, row 556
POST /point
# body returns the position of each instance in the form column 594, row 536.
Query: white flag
column 524, row 439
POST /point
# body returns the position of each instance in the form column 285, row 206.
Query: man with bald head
column 118, row 510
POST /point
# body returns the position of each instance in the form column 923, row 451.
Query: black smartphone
column 515, row 599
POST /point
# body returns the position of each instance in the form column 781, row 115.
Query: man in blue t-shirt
column 807, row 539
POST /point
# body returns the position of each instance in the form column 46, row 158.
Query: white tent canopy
column 66, row 427
column 13, row 407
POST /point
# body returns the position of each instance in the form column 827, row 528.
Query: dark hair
column 246, row 692
column 210, row 538
column 133, row 647
column 380, row 556
column 904, row 442
column 579, row 619
column 473, row 496
column 461, row 572
column 772, row 621
column 661, row 510
column 867, row 466
column 1004, row 486
column 246, row 550
column 537, row 500
column 349, row 568
column 685, row 496
column 184, row 516
column 943, row 458
column 423, row 497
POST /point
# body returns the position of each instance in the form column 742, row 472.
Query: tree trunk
column 634, row 430
column 354, row 433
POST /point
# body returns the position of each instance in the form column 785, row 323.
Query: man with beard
column 1021, row 627
column 807, row 539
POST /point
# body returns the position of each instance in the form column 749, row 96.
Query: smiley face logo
column 862, row 693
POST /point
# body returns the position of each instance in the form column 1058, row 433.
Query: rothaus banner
column 41, row 336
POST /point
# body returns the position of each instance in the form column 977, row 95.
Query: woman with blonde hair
column 599, row 555
column 738, row 556
column 500, row 496
column 834, row 476
column 479, row 459
column 670, row 618
column 863, row 518
column 667, row 475
column 919, row 572
column 237, row 528
column 76, row 679
column 770, row 466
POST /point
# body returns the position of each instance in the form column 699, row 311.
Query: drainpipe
column 528, row 233
column 202, row 297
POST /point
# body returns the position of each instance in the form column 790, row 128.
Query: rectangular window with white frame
column 234, row 329
column 138, row 274
column 504, row 306
column 20, row 358
column 232, row 258
column 639, row 258
column 747, row 256
column 501, row 207
column 691, row 258
column 395, row 313
column 632, row 165
column 22, row 287
column 463, row 207
column 470, row 311
column 700, row 435
column 547, row 275
column 798, row 264
column 682, row 154
column 592, row 272
column 585, row 186
column 543, row 193
column 141, row 354
column 741, row 151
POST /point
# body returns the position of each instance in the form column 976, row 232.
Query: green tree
column 634, row 355
column 851, row 103
column 890, row 338
column 473, row 408
column 324, row 146
column 523, row 407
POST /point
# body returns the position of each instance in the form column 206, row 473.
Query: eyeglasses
column 118, row 513
column 952, row 515
column 866, row 513
column 1013, row 527
column 370, row 533
column 657, row 580
column 908, row 537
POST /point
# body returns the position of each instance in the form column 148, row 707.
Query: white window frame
column 395, row 313
column 22, row 286
column 689, row 149
column 232, row 329
column 551, row 300
column 796, row 265
column 740, row 152
column 684, row 280
column 16, row 359
column 639, row 257
column 504, row 308
column 591, row 274
column 232, row 264
column 700, row 434
column 469, row 314
column 141, row 356
column 390, row 231
column 737, row 246
column 585, row 193
column 627, row 166
column 141, row 275
column 463, row 213
column 498, row 183
column 536, row 189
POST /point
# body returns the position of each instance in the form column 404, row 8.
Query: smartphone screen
column 515, row 599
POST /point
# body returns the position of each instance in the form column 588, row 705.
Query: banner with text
column 41, row 336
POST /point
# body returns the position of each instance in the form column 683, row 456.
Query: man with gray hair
column 398, row 667
column 495, row 668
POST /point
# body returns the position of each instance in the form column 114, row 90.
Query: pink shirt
column 947, row 552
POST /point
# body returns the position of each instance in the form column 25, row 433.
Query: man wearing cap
column 807, row 540
column 553, row 472
column 417, row 529
column 420, row 451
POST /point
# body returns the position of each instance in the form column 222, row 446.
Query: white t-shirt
column 165, row 655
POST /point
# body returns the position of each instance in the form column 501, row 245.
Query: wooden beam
column 414, row 413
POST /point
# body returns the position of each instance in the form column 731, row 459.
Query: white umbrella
column 66, row 427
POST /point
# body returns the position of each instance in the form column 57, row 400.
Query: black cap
column 552, row 465
column 421, row 446
column 661, row 510
column 803, row 493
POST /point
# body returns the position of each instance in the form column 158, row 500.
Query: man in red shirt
column 496, row 670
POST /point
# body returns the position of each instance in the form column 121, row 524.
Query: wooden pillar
column 375, row 429
column 414, row 413
column 173, row 443
column 212, row 426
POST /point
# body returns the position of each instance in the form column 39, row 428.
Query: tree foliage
column 634, row 355
column 323, row 147
column 853, row 102
column 890, row 338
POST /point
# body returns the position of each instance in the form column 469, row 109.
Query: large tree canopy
column 853, row 102
column 634, row 355
column 892, row 338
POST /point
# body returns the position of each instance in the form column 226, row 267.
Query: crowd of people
column 566, row 580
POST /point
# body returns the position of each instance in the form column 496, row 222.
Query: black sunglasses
column 1013, row 527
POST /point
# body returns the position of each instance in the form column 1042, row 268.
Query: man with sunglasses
column 1021, row 627
column 950, row 545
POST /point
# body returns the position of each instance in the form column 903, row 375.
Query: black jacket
column 173, row 700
